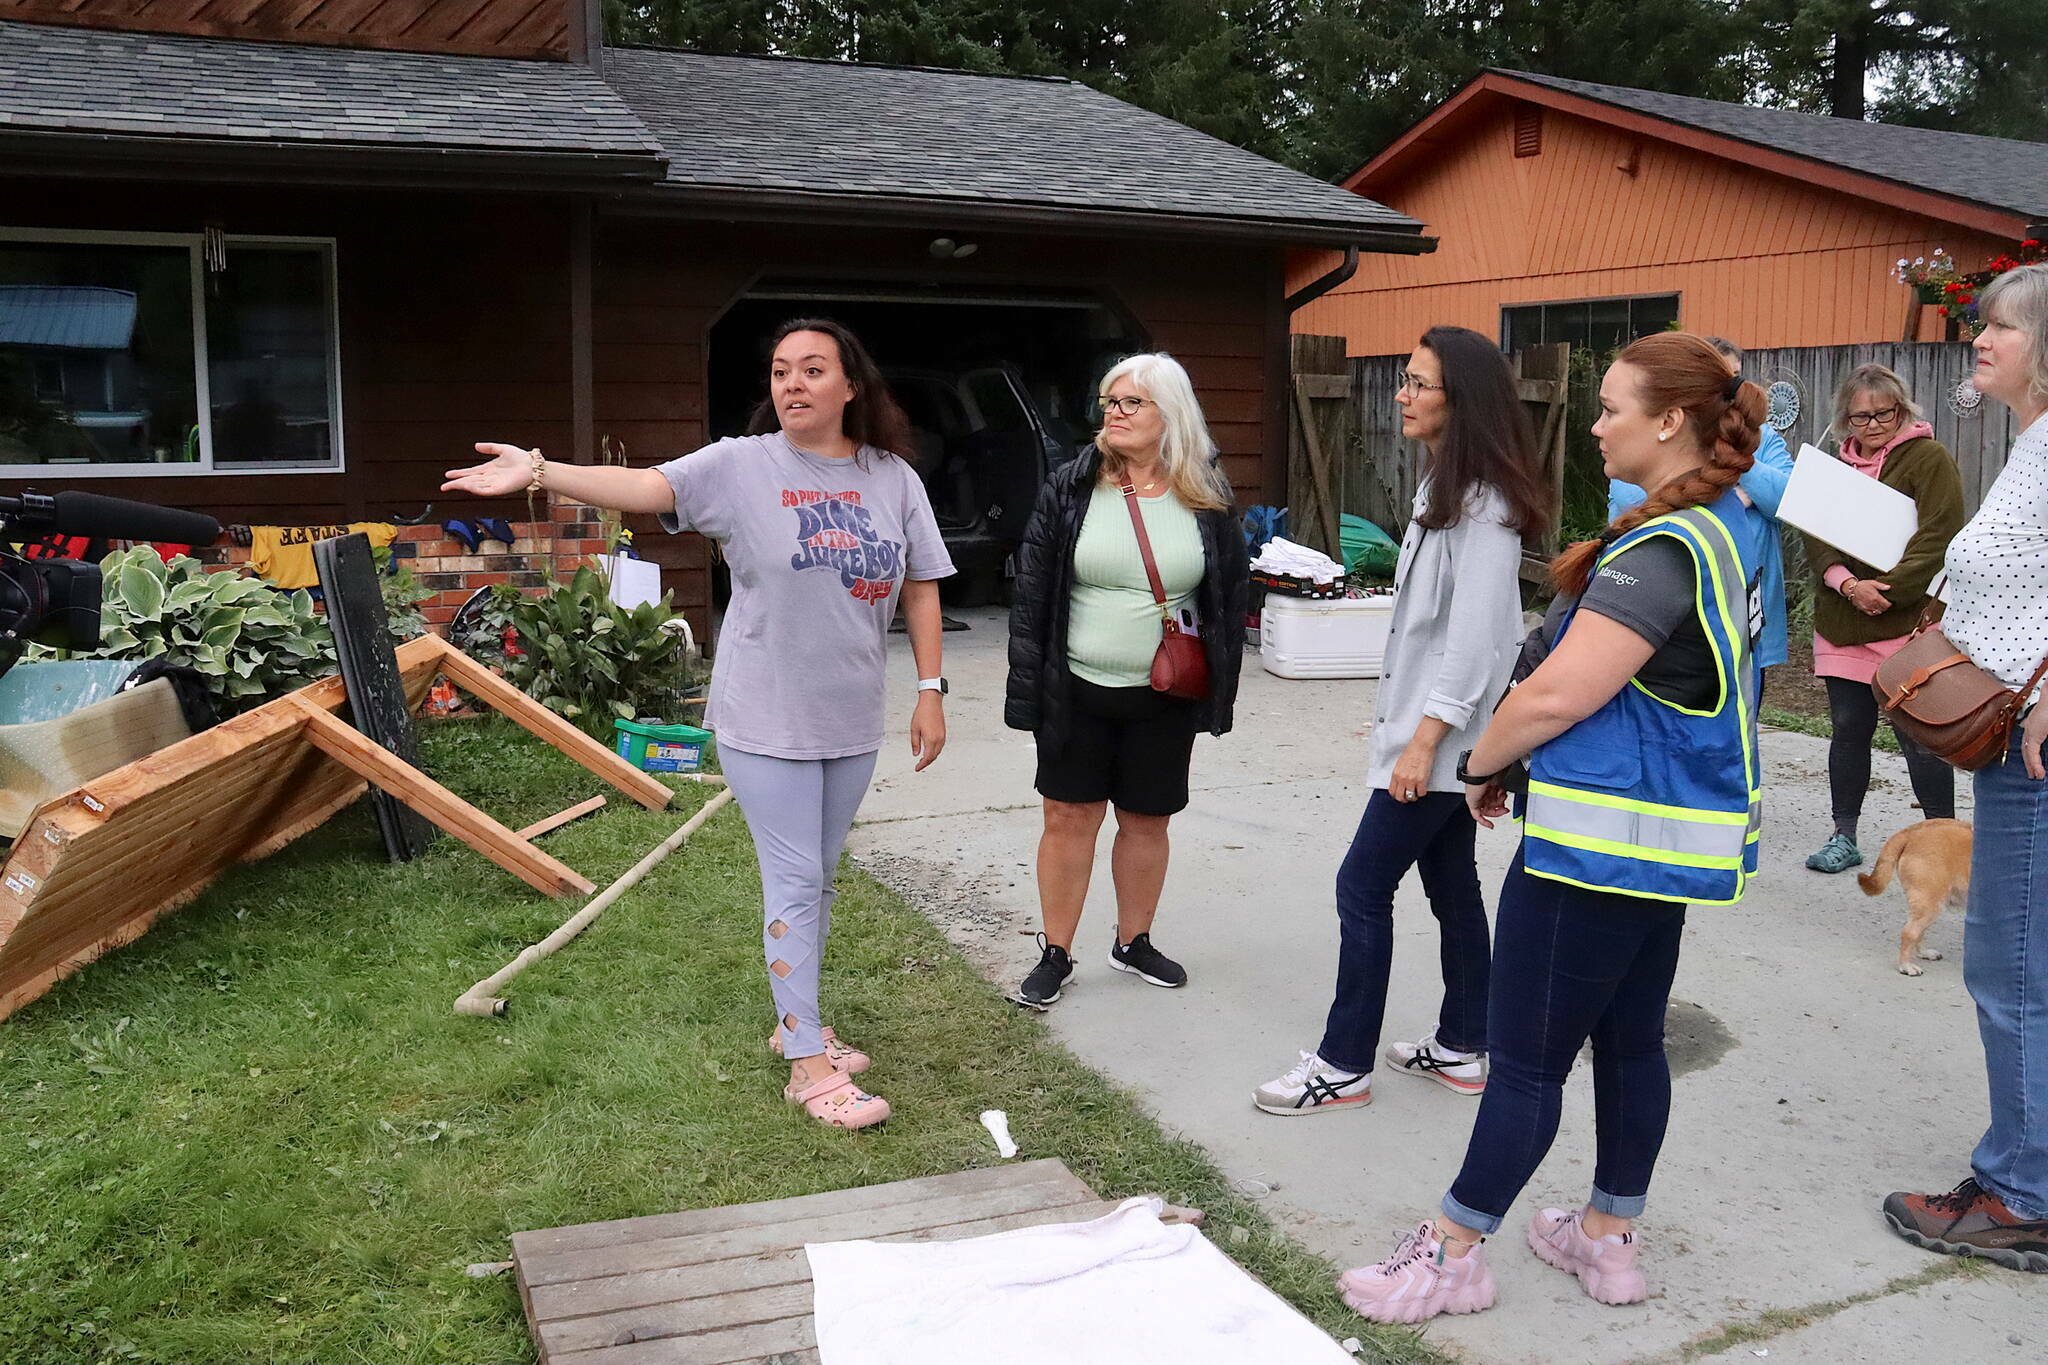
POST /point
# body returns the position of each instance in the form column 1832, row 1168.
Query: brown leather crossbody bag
column 1941, row 701
column 1180, row 666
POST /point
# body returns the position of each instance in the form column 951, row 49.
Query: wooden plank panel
column 709, row 1348
column 786, row 1229
column 675, row 1284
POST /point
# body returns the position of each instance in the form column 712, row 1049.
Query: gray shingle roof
column 1994, row 171
column 839, row 128
column 84, row 80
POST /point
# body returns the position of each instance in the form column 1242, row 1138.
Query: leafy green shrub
column 251, row 641
column 584, row 657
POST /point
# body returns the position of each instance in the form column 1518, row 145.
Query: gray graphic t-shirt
column 819, row 550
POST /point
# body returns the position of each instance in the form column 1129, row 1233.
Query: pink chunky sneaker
column 1418, row 1281
column 1606, row 1266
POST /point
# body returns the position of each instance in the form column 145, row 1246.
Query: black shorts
column 1126, row 745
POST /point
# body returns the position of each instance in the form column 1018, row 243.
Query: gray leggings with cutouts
column 798, row 811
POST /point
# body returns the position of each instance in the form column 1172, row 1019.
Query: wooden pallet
column 101, row 863
column 731, row 1286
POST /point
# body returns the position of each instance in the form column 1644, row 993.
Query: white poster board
column 1847, row 509
column 630, row 581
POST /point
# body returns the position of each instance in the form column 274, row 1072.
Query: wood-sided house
column 285, row 266
column 1595, row 213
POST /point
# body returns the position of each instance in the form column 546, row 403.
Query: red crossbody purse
column 1180, row 666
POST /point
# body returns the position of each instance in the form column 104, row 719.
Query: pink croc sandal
column 838, row 1103
column 846, row 1060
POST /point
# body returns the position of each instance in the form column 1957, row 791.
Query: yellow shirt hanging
column 284, row 554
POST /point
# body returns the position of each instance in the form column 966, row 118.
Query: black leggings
column 1853, row 708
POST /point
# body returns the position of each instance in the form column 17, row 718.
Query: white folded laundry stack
column 988, row 1299
column 1283, row 557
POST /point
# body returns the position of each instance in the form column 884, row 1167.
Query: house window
column 124, row 355
column 1597, row 324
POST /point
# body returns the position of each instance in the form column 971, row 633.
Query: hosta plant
column 250, row 641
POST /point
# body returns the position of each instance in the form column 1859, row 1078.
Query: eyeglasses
column 1127, row 406
column 1410, row 384
column 1865, row 419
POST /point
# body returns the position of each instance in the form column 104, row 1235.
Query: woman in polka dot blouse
column 1998, row 615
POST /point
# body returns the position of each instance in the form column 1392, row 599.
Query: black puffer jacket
column 1039, row 680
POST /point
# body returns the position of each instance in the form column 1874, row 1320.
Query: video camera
column 57, row 601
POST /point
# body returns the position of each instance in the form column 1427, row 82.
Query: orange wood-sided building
column 1572, row 211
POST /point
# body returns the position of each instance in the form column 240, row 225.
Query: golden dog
column 1932, row 859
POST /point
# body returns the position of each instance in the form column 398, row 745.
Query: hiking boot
column 1606, row 1266
column 1838, row 854
column 1314, row 1086
column 1970, row 1221
column 1461, row 1072
column 1418, row 1281
column 1042, row 987
column 1140, row 958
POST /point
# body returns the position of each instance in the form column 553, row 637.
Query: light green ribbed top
column 1112, row 621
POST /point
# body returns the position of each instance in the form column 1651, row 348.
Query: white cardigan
column 1457, row 625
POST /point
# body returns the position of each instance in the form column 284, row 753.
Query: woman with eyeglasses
column 1457, row 620
column 1862, row 616
column 1087, row 620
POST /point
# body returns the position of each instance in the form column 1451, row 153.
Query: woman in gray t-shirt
column 824, row 529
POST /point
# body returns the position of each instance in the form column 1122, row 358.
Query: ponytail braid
column 1724, row 414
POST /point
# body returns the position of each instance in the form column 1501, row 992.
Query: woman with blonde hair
column 1135, row 537
column 1862, row 616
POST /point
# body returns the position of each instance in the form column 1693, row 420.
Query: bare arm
column 510, row 469
column 927, row 645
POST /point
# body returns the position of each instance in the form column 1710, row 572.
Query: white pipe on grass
column 479, row 999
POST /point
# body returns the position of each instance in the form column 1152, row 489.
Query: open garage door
column 999, row 387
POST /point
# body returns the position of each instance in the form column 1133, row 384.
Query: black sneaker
column 1042, row 987
column 1141, row 958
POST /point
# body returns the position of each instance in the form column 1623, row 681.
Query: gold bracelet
column 539, row 482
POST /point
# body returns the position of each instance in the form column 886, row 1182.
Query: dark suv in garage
column 984, row 447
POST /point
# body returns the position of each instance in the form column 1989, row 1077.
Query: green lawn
column 260, row 1133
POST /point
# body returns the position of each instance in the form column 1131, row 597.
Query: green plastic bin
column 661, row 748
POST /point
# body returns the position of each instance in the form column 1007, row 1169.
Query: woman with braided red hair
column 1638, row 724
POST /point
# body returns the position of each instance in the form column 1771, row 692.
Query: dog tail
column 1879, row 877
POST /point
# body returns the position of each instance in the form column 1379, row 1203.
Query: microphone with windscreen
column 75, row 513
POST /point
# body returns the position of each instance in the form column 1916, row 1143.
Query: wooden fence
column 1376, row 477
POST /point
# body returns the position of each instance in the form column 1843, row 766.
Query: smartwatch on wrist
column 937, row 685
column 1469, row 777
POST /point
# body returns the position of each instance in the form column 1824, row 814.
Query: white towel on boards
column 1124, row 1289
column 1282, row 556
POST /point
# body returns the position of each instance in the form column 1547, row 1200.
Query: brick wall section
column 452, row 572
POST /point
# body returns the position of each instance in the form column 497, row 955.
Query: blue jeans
column 1569, row 965
column 1435, row 836
column 2005, row 965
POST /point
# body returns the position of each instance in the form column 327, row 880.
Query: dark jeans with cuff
column 1569, row 965
column 1434, row 835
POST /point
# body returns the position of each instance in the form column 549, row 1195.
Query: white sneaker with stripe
column 1313, row 1086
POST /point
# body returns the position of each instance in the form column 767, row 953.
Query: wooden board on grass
column 100, row 863
column 731, row 1286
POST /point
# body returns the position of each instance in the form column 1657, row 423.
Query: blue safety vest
column 1651, row 799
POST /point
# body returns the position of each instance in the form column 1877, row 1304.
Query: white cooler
column 1345, row 637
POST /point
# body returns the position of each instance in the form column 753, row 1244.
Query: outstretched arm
column 509, row 469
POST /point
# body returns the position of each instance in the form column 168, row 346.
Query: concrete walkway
column 1812, row 1077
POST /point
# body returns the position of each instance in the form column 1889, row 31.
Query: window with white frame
column 127, row 354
